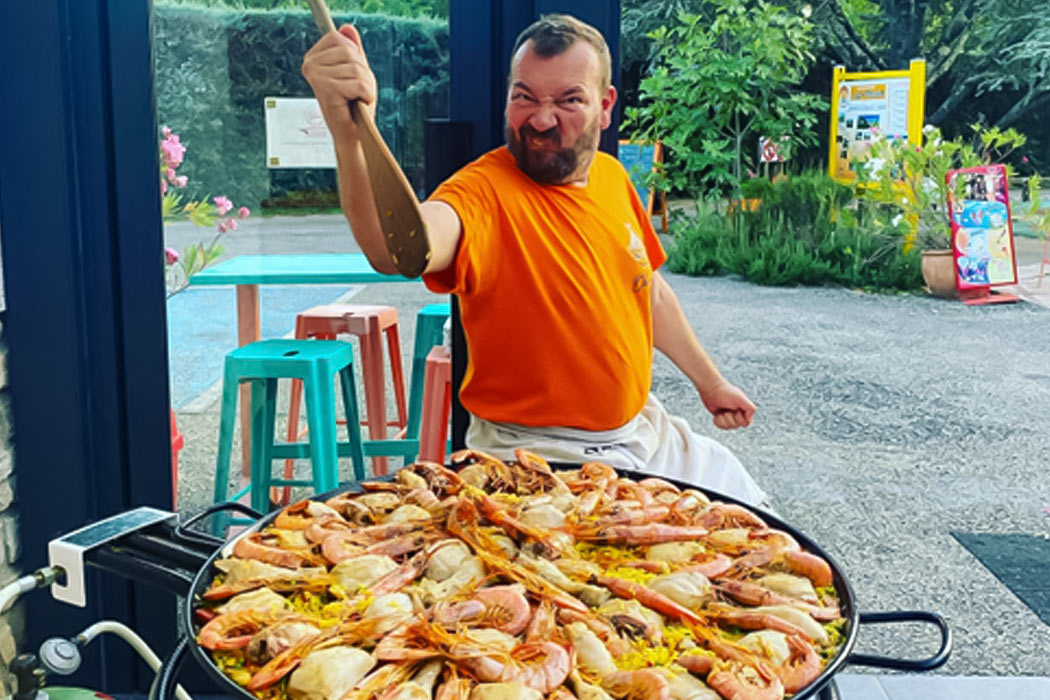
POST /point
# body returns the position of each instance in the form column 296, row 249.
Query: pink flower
column 223, row 227
column 222, row 205
column 243, row 213
column 165, row 131
column 231, row 224
column 163, row 187
column 1024, row 159
column 918, row 149
column 181, row 181
column 172, row 151
column 170, row 174
column 171, row 256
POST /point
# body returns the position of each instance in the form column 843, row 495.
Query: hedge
column 214, row 67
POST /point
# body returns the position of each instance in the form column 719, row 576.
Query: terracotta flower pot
column 938, row 271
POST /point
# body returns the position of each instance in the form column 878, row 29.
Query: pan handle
column 928, row 664
column 183, row 531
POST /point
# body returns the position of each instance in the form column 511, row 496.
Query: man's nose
column 543, row 118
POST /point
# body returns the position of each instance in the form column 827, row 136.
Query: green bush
column 214, row 66
column 805, row 231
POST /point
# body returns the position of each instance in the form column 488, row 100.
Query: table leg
column 248, row 331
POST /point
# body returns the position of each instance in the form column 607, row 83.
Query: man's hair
column 556, row 33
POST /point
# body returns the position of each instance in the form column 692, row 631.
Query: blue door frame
column 85, row 319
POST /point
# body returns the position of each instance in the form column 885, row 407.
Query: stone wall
column 11, row 622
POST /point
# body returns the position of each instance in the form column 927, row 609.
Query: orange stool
column 178, row 441
column 369, row 324
column 437, row 403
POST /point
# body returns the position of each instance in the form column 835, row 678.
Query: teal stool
column 430, row 331
column 262, row 363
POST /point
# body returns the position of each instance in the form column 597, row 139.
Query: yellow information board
column 864, row 105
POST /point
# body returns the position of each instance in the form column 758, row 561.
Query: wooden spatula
column 399, row 214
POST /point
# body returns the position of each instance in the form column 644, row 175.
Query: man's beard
column 552, row 166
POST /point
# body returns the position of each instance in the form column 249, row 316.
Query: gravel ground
column 884, row 423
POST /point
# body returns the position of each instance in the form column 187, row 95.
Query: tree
column 973, row 48
column 719, row 83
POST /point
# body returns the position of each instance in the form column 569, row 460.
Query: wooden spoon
column 396, row 203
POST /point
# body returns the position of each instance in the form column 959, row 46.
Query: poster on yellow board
column 867, row 105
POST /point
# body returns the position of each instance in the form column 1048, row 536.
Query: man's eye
column 521, row 97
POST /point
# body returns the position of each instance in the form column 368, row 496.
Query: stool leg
column 375, row 389
column 431, row 431
column 295, row 402
column 269, row 421
column 227, row 418
column 261, row 441
column 320, row 417
column 294, row 405
column 353, row 421
column 397, row 374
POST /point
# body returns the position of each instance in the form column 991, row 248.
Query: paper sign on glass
column 296, row 134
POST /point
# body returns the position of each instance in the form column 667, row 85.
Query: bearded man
column 554, row 261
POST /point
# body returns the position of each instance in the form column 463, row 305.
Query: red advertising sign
column 982, row 233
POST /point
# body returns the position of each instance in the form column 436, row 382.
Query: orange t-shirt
column 554, row 290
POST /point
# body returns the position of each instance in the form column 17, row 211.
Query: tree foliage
column 720, row 82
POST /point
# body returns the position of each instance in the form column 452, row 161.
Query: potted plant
column 910, row 183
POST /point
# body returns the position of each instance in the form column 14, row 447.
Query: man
column 554, row 260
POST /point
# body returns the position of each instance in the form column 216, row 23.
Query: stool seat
column 314, row 363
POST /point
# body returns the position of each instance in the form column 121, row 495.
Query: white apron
column 653, row 442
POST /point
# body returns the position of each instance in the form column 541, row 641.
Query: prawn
column 753, row 594
column 265, row 547
column 234, row 630
column 652, row 533
column 501, row 607
column 650, row 599
column 540, row 665
column 801, row 668
column 640, row 684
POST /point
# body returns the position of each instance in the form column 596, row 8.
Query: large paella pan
column 515, row 580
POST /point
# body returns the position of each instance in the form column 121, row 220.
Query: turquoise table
column 247, row 272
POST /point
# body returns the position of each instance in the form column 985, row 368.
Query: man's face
column 556, row 110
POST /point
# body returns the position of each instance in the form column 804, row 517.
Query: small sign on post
column 296, row 134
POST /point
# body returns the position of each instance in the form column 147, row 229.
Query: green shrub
column 805, row 231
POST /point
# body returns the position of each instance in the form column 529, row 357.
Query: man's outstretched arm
column 673, row 336
column 337, row 70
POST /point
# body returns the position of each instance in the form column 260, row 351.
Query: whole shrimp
column 501, row 607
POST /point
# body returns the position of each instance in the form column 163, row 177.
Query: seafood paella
column 507, row 581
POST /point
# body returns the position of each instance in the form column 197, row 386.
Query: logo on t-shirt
column 637, row 251
column 634, row 245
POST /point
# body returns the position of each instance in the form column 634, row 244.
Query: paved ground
column 884, row 423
